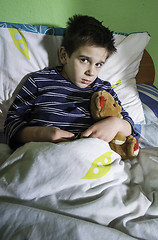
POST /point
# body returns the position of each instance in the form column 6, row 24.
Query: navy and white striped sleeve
column 20, row 108
column 125, row 114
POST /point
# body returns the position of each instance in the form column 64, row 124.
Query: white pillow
column 24, row 50
column 121, row 70
column 28, row 48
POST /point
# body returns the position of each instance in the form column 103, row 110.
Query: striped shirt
column 48, row 99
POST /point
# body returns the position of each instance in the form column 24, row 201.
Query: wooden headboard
column 146, row 72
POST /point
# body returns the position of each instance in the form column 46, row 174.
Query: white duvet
column 77, row 190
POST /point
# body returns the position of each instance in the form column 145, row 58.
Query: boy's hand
column 43, row 134
column 107, row 129
column 56, row 135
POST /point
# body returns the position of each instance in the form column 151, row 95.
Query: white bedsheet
column 77, row 190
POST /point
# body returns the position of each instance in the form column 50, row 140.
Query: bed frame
column 146, row 72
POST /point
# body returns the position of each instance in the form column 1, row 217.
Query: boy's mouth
column 85, row 81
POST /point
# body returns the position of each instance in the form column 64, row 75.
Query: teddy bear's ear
column 102, row 101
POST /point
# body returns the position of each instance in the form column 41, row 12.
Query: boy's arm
column 18, row 112
column 42, row 134
column 107, row 129
column 16, row 130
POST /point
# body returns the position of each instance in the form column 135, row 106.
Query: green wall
column 120, row 15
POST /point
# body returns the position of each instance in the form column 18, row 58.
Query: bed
column 80, row 189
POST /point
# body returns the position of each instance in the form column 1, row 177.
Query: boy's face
column 83, row 66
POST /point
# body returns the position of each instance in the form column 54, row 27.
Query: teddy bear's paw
column 118, row 142
column 136, row 148
column 131, row 139
column 119, row 139
column 133, row 146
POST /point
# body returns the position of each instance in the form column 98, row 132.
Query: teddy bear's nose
column 102, row 100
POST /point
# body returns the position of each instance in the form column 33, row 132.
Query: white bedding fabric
column 77, row 190
column 149, row 131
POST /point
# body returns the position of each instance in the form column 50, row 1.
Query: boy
column 53, row 105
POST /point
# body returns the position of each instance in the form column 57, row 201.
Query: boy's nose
column 90, row 71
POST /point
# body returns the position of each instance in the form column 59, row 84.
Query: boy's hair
column 86, row 30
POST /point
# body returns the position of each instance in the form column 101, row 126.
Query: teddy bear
column 103, row 105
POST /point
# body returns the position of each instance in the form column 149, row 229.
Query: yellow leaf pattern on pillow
column 100, row 166
column 19, row 41
column 118, row 83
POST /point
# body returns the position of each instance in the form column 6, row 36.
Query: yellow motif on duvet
column 19, row 41
column 100, row 166
column 118, row 83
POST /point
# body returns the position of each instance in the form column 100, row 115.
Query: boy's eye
column 99, row 65
column 84, row 60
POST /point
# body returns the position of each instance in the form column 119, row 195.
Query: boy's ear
column 63, row 55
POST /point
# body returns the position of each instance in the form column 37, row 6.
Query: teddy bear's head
column 103, row 105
